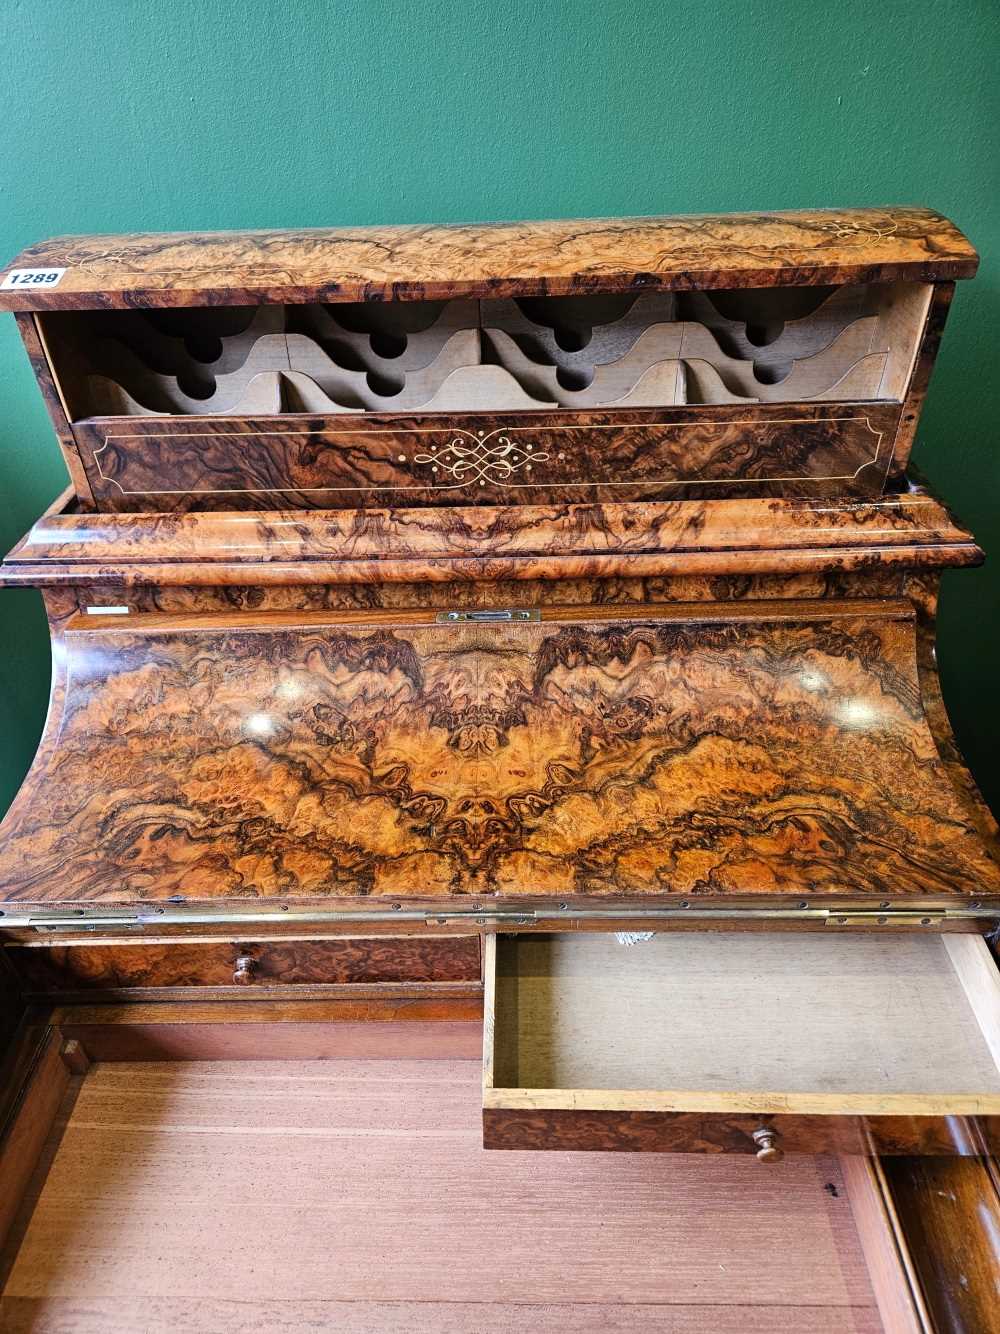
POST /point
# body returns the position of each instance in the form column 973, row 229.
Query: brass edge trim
column 76, row 919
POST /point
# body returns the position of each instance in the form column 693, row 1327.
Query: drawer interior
column 685, row 1021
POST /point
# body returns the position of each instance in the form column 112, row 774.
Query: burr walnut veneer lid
column 773, row 752
column 803, row 248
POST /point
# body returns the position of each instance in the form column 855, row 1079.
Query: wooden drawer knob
column 766, row 1140
column 244, row 969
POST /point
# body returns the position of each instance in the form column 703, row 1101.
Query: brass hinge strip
column 480, row 915
column 884, row 918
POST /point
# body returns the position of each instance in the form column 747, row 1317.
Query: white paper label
column 32, row 279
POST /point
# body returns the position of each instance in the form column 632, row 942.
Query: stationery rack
column 767, row 346
column 597, row 361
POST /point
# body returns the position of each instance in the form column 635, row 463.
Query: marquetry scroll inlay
column 866, row 231
column 492, row 459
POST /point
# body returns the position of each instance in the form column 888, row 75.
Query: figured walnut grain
column 809, row 247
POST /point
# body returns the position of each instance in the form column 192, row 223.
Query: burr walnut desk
column 521, row 586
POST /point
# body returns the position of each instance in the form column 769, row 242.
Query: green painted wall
column 132, row 116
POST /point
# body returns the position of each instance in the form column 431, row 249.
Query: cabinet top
column 511, row 259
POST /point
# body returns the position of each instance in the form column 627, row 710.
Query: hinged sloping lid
column 758, row 752
column 519, row 259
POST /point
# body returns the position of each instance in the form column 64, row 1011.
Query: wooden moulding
column 944, row 1220
column 530, row 542
column 36, row 1077
column 590, row 1044
column 445, row 1028
column 810, row 247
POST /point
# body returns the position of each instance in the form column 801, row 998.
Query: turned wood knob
column 766, row 1140
column 244, row 969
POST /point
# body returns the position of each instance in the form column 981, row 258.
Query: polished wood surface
column 777, row 748
column 947, row 1213
column 329, row 1167
column 157, row 963
column 483, row 547
column 497, row 259
column 523, row 458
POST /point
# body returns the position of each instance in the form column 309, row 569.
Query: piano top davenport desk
column 524, row 630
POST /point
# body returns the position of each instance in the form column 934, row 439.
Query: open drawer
column 745, row 1042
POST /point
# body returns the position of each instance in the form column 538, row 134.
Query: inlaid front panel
column 524, row 458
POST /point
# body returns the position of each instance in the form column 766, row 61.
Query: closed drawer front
column 219, row 963
column 742, row 1042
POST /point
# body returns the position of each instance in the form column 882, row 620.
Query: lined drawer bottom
column 740, row 1042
